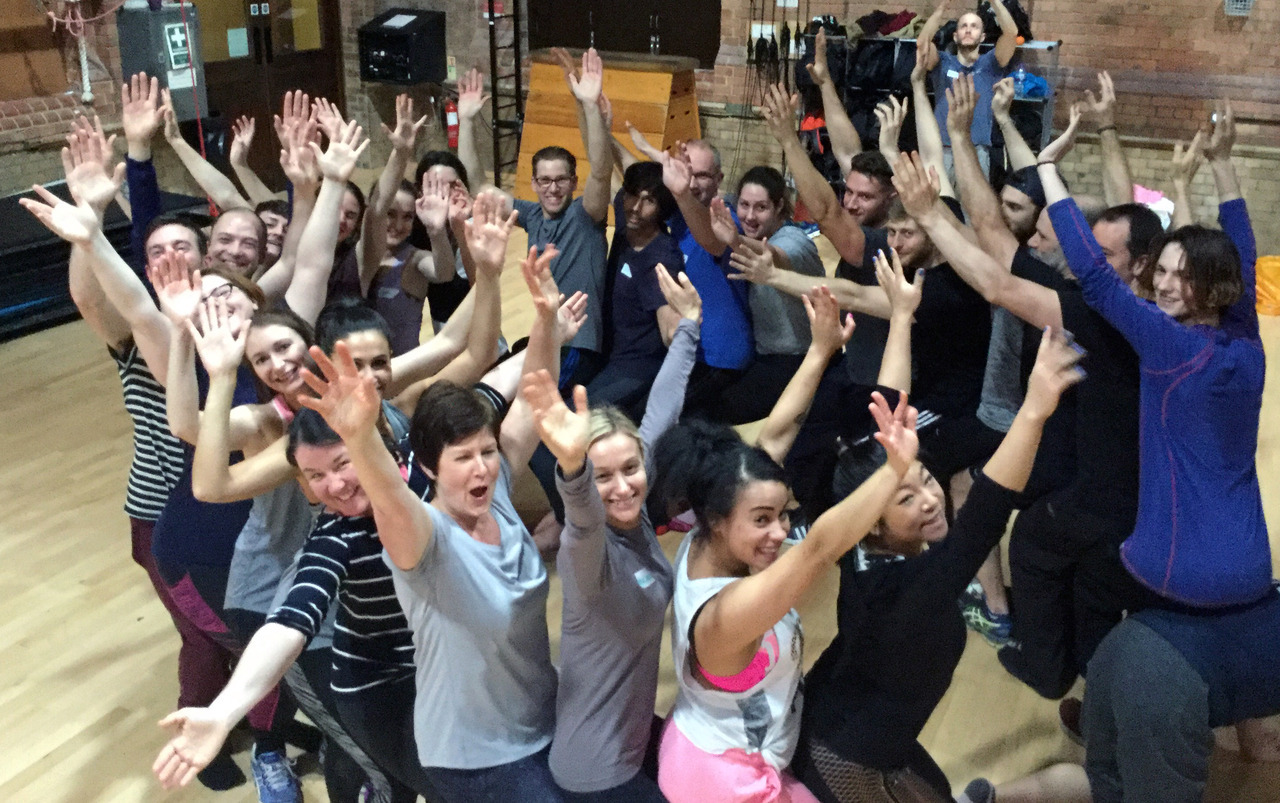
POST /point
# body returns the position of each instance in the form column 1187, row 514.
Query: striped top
column 157, row 453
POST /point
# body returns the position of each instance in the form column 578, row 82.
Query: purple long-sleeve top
column 1200, row 538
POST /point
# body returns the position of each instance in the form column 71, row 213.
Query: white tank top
column 764, row 719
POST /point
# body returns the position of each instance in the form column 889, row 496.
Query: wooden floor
column 88, row 656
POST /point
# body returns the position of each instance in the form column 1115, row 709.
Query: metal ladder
column 506, row 64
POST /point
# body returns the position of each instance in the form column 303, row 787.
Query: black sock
column 221, row 774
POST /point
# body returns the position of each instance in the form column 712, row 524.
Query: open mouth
column 479, row 493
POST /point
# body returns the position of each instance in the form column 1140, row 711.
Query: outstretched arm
column 1117, row 185
column 927, row 32
column 373, row 231
column 846, row 143
column 1007, row 44
column 141, row 118
column 756, row 262
column 301, row 170
column 1183, row 167
column 904, row 298
column 1033, row 303
column 928, row 135
column 1015, row 147
column 519, row 437
column 833, row 219
column 1241, row 318
column 587, row 89
column 218, row 187
column 789, row 412
column 255, row 188
column 471, row 99
column 891, row 114
column 677, row 175
column 980, row 202
column 727, row 632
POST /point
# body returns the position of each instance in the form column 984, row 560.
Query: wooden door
column 255, row 52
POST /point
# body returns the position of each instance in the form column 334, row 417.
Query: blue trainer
column 275, row 778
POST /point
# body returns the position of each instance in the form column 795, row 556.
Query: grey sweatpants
column 1146, row 721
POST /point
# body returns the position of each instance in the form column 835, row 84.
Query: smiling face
column 866, row 198
column 641, row 212
column 236, row 241
column 372, row 355
column 277, row 355
column 753, row 532
column 466, row 474
column 328, row 473
column 620, row 479
column 239, row 305
column 276, row 225
column 760, row 217
column 1173, row 293
column 399, row 218
column 705, row 178
column 554, row 183
column 173, row 238
column 916, row 514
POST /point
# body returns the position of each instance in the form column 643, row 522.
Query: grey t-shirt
column 1002, row 380
column 486, row 689
column 778, row 319
column 581, row 263
column 617, row 584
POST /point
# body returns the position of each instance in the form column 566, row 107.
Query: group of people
column 323, row 503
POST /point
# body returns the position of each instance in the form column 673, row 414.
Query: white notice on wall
column 399, row 21
column 180, row 79
column 237, row 43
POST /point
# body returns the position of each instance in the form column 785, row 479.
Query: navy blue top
column 1200, row 538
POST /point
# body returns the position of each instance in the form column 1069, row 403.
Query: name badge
column 952, row 75
column 644, row 578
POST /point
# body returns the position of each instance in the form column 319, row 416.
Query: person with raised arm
column 466, row 570
column 901, row 633
column 256, row 191
column 846, row 142
column 984, row 69
column 575, row 226
column 395, row 275
column 219, row 187
column 617, row 581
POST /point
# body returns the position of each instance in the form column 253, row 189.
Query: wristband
column 1107, row 128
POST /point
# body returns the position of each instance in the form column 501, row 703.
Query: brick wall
column 32, row 129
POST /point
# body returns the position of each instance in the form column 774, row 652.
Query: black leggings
column 751, row 395
column 834, row 779
column 380, row 720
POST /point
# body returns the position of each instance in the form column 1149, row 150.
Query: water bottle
column 1020, row 82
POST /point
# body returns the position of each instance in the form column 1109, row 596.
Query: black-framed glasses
column 546, row 182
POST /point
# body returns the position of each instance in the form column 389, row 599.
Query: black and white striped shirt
column 157, row 453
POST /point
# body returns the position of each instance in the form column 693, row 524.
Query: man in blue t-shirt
column 986, row 69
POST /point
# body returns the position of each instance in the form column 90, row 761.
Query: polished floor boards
column 87, row 654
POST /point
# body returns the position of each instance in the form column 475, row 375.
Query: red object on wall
column 451, row 122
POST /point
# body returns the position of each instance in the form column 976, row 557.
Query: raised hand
column 828, row 333
column 1102, row 107
column 891, row 113
column 242, row 131
column 641, row 144
column 565, row 62
column 140, row 108
column 488, row 231
column 177, row 289
column 897, row 431
column 432, row 206
column 1002, row 98
column 345, row 146
column 1057, row 368
column 916, row 185
column 171, row 131
column 606, row 110
column 349, row 403
column 295, row 109
column 1222, row 137
column 680, row 294
column 1054, row 151
column 753, row 260
column 460, row 202
column 1187, row 160
column 677, row 172
column 328, row 117
column 587, row 86
column 471, row 96
column 219, row 342
column 536, row 270
column 567, row 433
column 570, row 318
column 904, row 296
column 722, row 225
column 961, row 100
column 406, row 131
column 779, row 112
column 77, row 224
column 297, row 158
column 197, row 737
column 87, row 162
column 818, row 69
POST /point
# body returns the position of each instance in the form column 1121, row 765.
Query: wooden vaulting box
column 656, row 94
column 30, row 60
